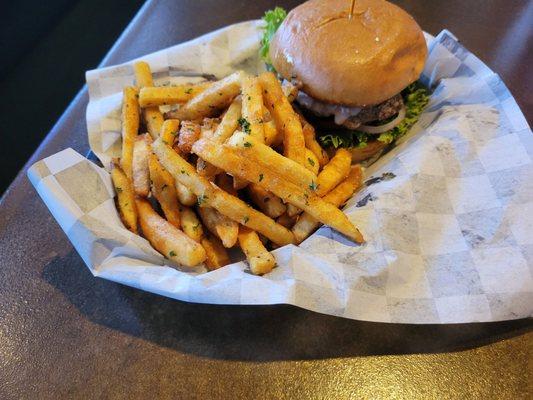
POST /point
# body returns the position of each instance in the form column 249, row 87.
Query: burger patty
column 378, row 112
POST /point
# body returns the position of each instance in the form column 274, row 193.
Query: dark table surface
column 65, row 334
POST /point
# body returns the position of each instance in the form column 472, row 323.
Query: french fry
column 225, row 182
column 185, row 196
column 311, row 142
column 272, row 136
column 140, row 171
column 130, row 128
column 311, row 162
column 264, row 155
column 286, row 220
column 270, row 204
column 293, row 211
column 212, row 196
column 252, row 107
column 143, row 74
column 170, row 130
column 217, row 96
column 167, row 239
column 334, row 172
column 229, row 122
column 232, row 161
column 306, row 224
column 206, row 170
column 189, row 133
column 125, row 197
column 239, row 184
column 165, row 95
column 289, row 90
column 164, row 191
column 219, row 225
column 190, row 224
column 153, row 120
column 286, row 119
column 217, row 256
column 152, row 116
column 260, row 260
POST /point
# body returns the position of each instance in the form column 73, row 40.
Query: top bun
column 360, row 61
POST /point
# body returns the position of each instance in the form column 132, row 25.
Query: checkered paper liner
column 447, row 214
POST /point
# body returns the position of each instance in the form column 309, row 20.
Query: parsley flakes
column 245, row 125
column 202, row 199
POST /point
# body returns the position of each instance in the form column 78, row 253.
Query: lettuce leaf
column 273, row 19
column 416, row 98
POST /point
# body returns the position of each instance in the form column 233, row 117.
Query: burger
column 356, row 65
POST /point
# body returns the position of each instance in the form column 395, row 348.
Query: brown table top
column 65, row 334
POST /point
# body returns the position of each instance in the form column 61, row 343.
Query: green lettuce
column 273, row 19
column 416, row 98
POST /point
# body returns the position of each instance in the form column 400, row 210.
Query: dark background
column 46, row 47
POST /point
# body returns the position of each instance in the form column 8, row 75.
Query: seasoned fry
column 252, row 108
column 153, row 120
column 217, row 96
column 140, row 171
column 207, row 170
column 334, row 172
column 210, row 124
column 286, row 119
column 270, row 204
column 306, row 224
column 152, row 116
column 293, row 211
column 189, row 133
column 212, row 196
column 164, row 191
column 164, row 95
column 125, row 197
column 289, row 90
column 232, row 161
column 130, row 128
column 217, row 256
column 311, row 142
column 311, row 162
column 143, row 74
column 185, row 196
column 272, row 136
column 286, row 221
column 260, row 260
column 264, row 155
column 169, row 131
column 225, row 182
column 167, row 239
column 239, row 184
column 190, row 224
column 240, row 132
column 220, row 226
column 229, row 122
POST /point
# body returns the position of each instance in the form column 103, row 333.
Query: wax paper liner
column 447, row 214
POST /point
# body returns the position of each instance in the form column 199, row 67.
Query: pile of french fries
column 232, row 164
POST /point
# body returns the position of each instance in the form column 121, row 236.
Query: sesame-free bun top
column 360, row 61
